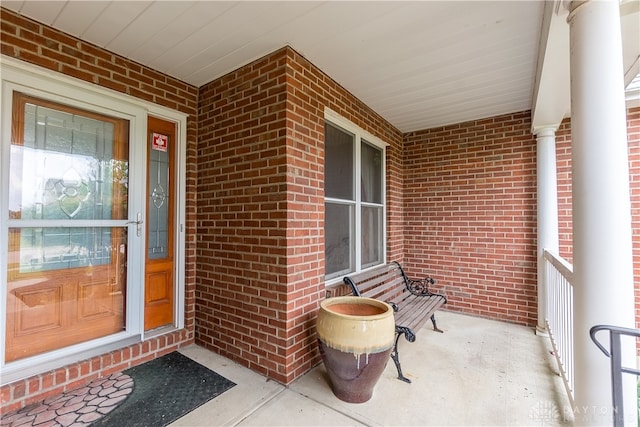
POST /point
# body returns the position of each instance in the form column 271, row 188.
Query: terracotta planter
column 355, row 336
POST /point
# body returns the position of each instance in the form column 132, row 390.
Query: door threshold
column 161, row 330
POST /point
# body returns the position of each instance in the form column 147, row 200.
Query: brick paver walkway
column 78, row 407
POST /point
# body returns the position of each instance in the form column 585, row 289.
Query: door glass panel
column 158, row 206
column 56, row 248
column 66, row 280
column 66, row 168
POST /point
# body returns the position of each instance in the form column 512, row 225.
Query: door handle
column 138, row 223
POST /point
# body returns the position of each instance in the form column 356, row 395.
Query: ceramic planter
column 355, row 336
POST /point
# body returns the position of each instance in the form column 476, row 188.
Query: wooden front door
column 67, row 251
column 159, row 290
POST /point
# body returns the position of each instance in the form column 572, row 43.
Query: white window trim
column 337, row 119
column 30, row 79
column 360, row 134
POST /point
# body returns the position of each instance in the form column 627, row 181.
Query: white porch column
column 602, row 255
column 547, row 212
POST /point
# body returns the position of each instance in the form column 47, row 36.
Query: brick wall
column 470, row 214
column 261, row 209
column 241, row 280
column 38, row 44
column 563, row 167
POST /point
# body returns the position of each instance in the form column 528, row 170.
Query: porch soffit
column 420, row 64
column 551, row 99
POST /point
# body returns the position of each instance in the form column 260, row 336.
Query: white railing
column 559, row 320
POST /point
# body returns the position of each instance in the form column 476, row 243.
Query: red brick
column 60, row 376
column 5, row 394
column 19, row 389
column 34, row 385
column 47, row 380
column 20, row 43
column 85, row 368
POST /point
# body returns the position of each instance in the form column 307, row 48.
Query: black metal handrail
column 616, row 364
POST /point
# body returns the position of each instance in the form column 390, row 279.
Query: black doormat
column 164, row 390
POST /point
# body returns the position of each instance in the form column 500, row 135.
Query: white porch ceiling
column 419, row 64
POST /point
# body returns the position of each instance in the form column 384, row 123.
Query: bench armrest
column 421, row 286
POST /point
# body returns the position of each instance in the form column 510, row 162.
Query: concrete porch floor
column 479, row 372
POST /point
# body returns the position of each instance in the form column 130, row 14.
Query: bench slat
column 389, row 291
column 417, row 311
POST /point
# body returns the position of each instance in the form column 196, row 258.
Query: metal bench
column 411, row 300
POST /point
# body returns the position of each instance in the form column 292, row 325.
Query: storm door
column 67, row 236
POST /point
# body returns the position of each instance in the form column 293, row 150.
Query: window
column 354, row 199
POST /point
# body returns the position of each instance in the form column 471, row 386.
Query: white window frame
column 38, row 82
column 360, row 134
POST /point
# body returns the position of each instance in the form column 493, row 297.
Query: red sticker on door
column 159, row 142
